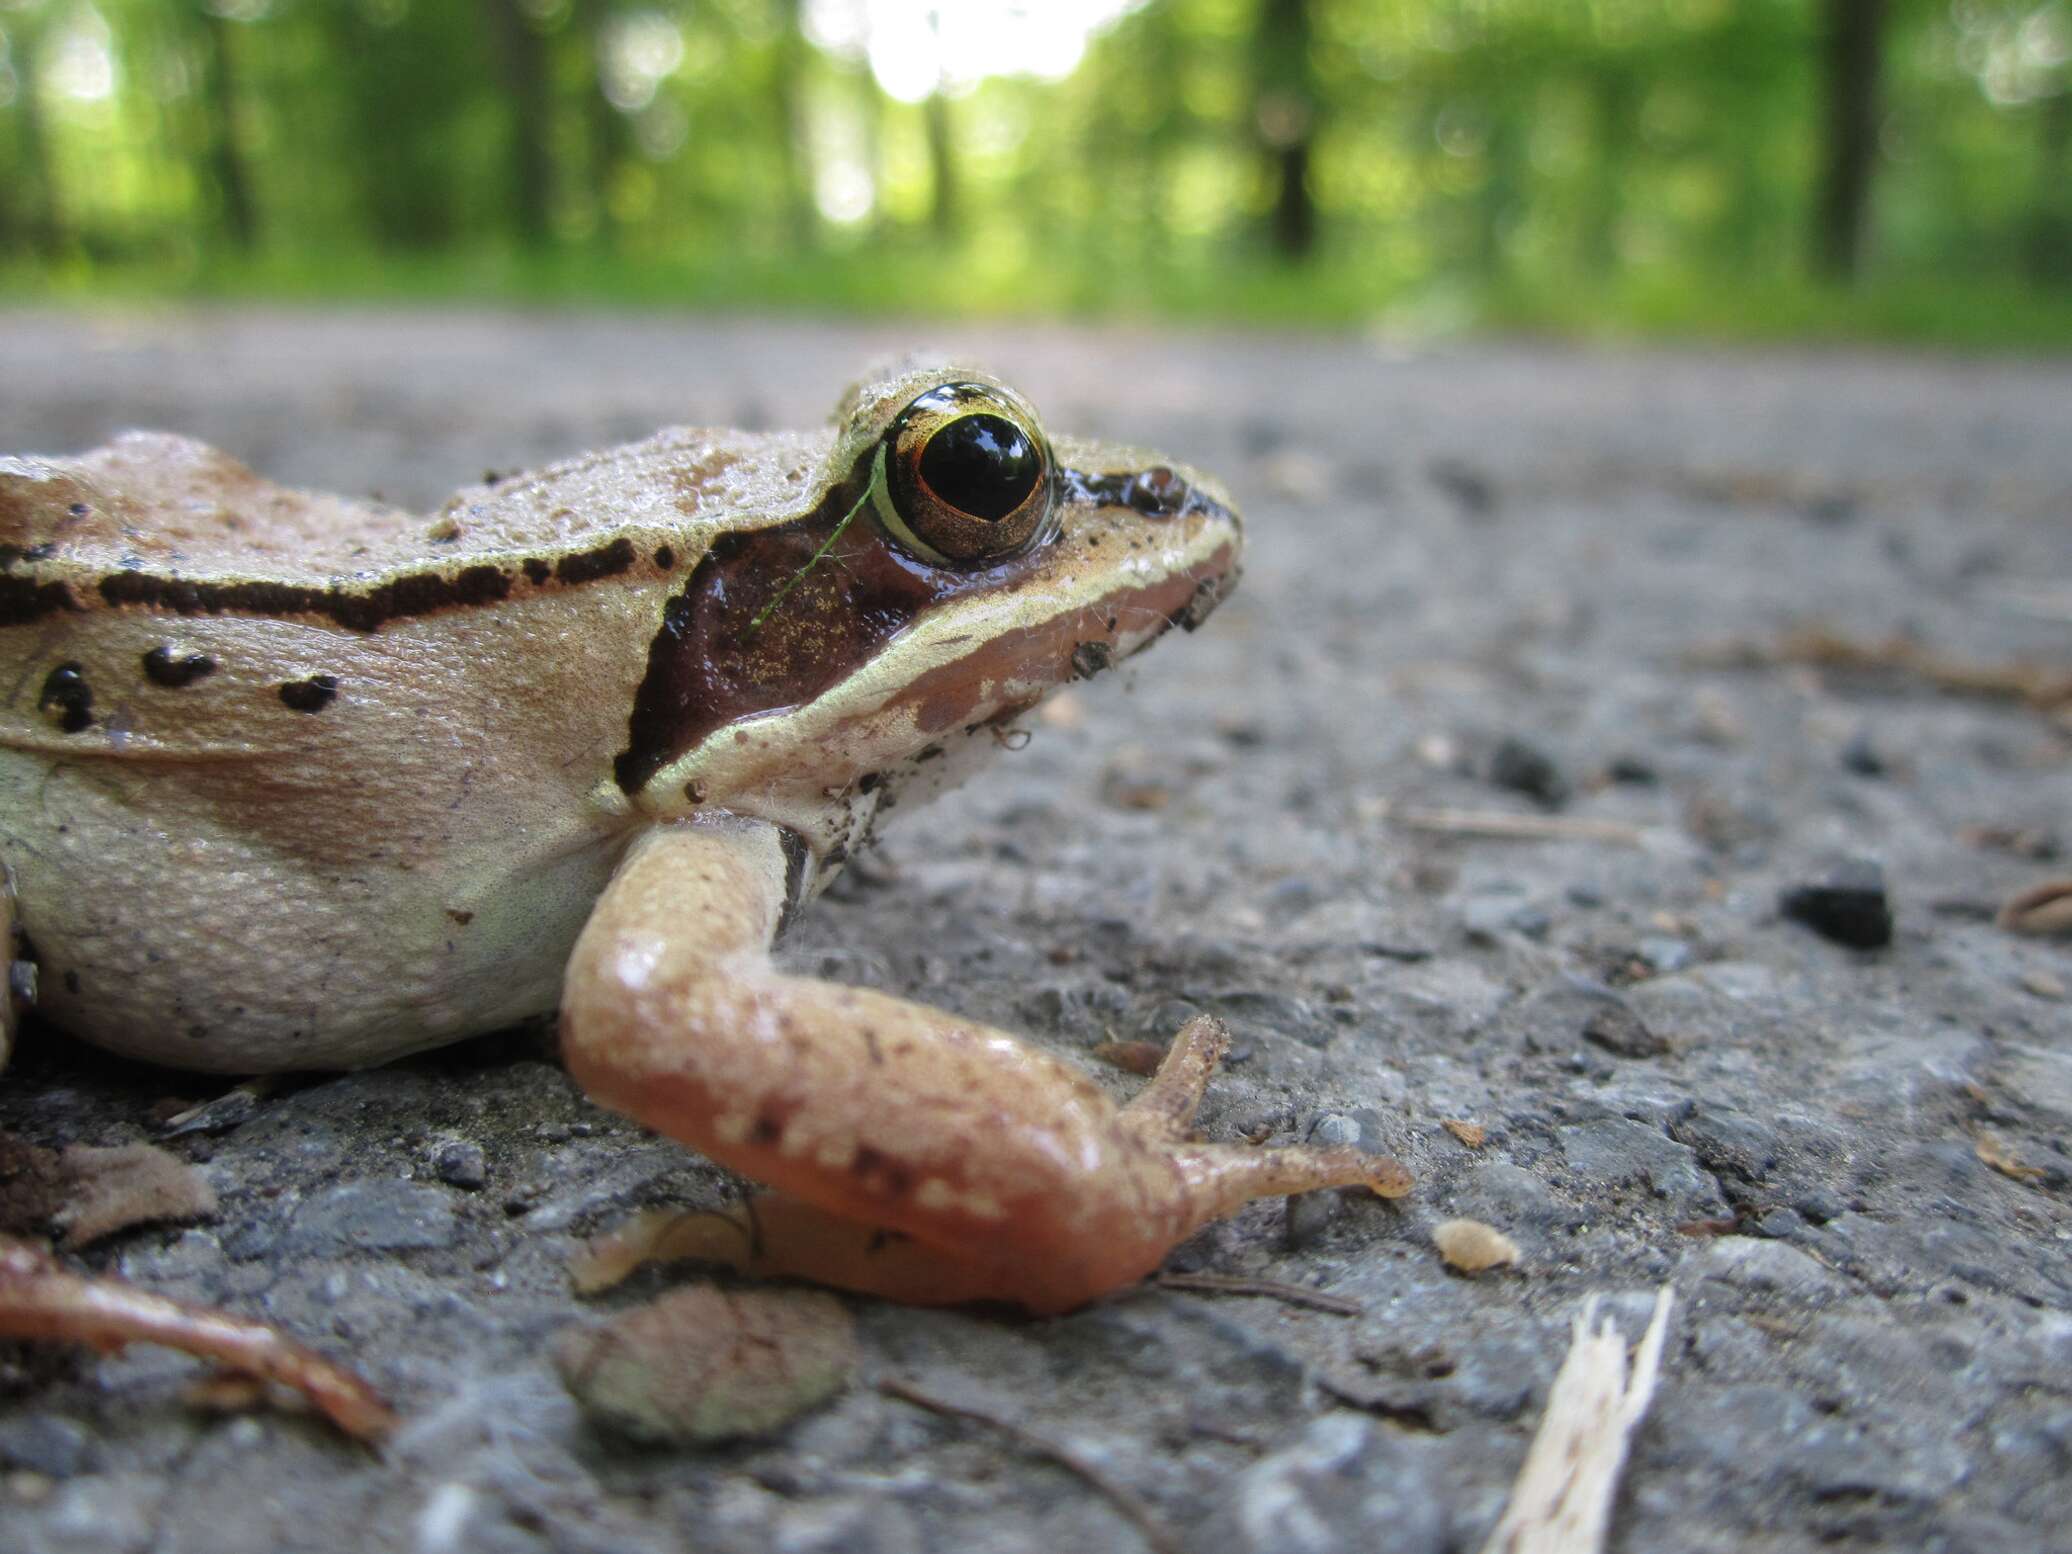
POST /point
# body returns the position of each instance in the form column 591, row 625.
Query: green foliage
column 1604, row 166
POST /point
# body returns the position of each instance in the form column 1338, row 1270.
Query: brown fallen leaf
column 1472, row 1134
column 1996, row 1153
column 1132, row 1057
column 128, row 1184
column 32, row 1187
column 703, row 1364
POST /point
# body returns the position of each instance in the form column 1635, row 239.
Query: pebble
column 1613, row 1149
column 1861, row 757
column 1665, row 954
column 1848, row 907
column 2043, row 984
column 461, row 1163
column 1527, row 769
column 1620, row 1030
column 373, row 1216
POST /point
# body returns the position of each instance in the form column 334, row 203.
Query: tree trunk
column 530, row 168
column 1855, row 43
column 1285, row 112
column 942, row 166
column 788, row 123
column 225, row 155
column 39, row 204
column 2050, row 228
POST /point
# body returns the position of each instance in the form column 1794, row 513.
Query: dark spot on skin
column 79, row 509
column 837, row 855
column 311, row 695
column 162, row 667
column 765, row 1130
column 24, row 599
column 537, row 571
column 72, row 982
column 1090, row 658
column 462, row 918
column 880, row 1173
column 588, row 566
column 665, row 558
column 68, row 697
column 197, row 1033
column 869, row 782
column 929, row 753
column 1208, row 593
column 870, row 1041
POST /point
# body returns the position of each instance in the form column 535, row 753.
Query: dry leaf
column 2001, row 1158
column 131, row 1184
column 1132, row 1057
column 704, row 1364
column 1472, row 1134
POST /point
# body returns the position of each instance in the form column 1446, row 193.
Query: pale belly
column 201, row 947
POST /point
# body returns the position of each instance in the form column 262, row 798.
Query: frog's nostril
column 1156, row 492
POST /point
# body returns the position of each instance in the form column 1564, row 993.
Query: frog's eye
column 967, row 476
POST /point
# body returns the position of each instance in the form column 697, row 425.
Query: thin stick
column 826, row 545
column 1562, row 1501
column 1516, row 827
column 41, row 1299
column 1123, row 1498
column 1293, row 1294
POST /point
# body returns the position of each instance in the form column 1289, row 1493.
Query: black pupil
column 982, row 465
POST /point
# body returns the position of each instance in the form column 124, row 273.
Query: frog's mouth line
column 1012, row 666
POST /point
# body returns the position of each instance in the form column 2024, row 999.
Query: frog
column 292, row 781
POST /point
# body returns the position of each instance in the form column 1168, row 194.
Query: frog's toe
column 1165, row 1108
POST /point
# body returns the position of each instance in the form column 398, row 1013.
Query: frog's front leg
column 914, row 1154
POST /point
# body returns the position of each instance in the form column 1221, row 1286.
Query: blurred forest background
column 1879, row 168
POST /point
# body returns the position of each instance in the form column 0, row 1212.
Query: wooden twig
column 1562, row 1501
column 1121, row 1496
column 39, row 1298
column 1508, row 825
column 1293, row 1294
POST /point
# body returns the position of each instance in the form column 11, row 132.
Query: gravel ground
column 1483, row 578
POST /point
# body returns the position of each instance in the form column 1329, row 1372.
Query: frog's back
column 152, row 503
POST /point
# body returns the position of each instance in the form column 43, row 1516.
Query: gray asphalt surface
column 1478, row 578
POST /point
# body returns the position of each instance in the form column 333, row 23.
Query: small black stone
column 1861, row 757
column 1848, row 907
column 1620, row 1030
column 1527, row 769
column 1632, row 769
column 459, row 1163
